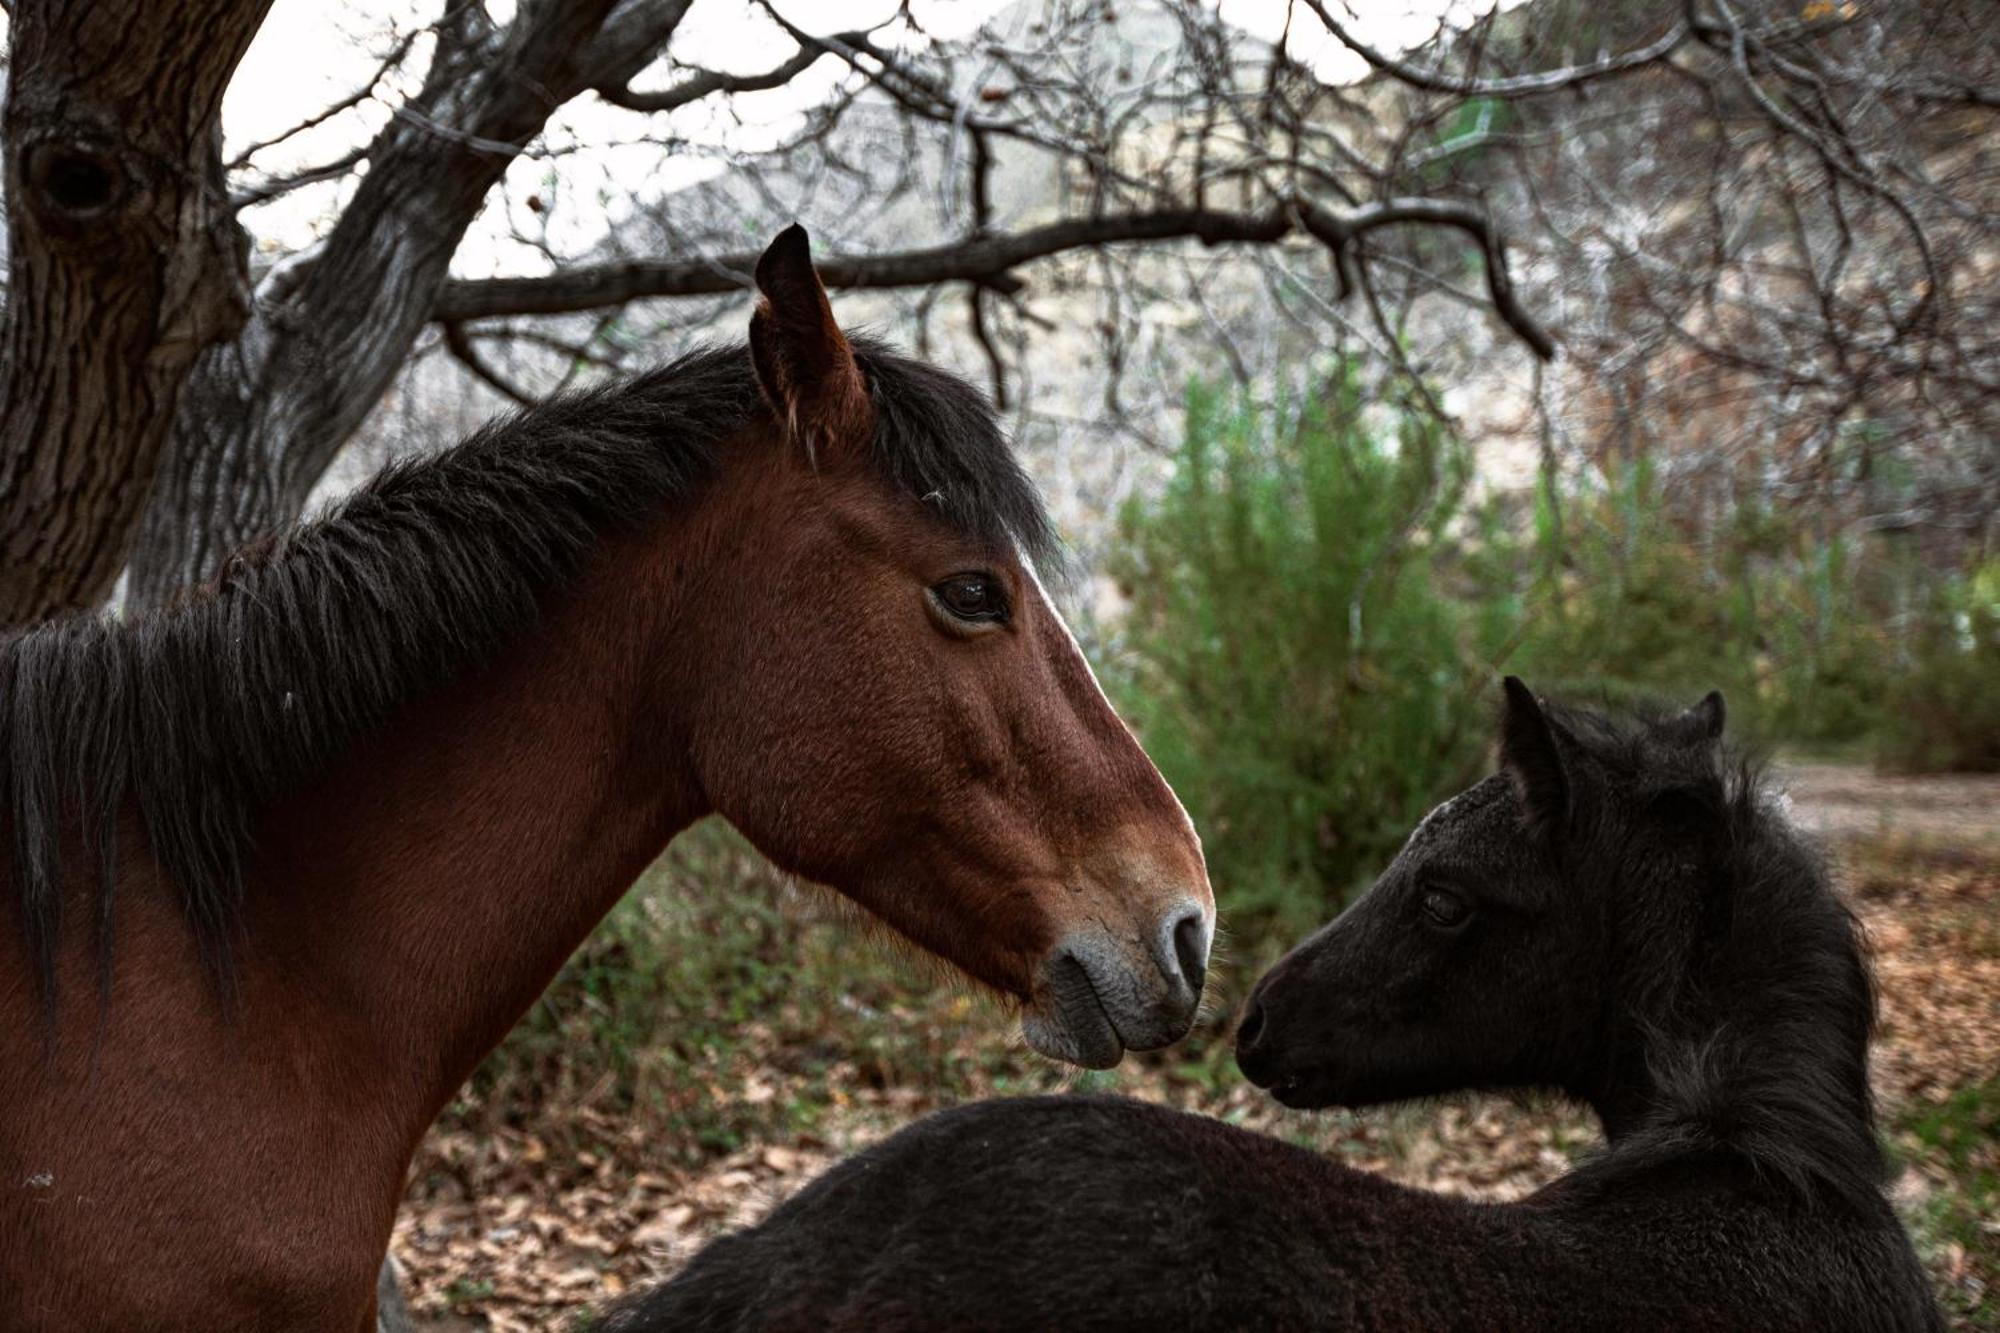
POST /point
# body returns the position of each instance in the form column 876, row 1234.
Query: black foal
column 1618, row 914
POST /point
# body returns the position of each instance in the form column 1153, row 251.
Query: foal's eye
column 1445, row 909
column 976, row 599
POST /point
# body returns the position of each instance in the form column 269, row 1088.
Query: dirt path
column 1841, row 802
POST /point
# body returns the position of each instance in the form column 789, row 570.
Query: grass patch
column 721, row 1004
column 1954, row 1148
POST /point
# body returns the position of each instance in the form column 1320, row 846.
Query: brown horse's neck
column 430, row 888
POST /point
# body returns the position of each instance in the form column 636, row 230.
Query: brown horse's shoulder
column 166, row 1163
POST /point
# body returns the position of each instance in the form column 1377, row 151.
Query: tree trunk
column 125, row 263
column 265, row 414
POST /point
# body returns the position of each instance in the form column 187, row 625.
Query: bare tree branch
column 266, row 190
column 1340, row 230
column 989, row 261
column 1752, row 237
column 706, row 83
column 461, row 347
column 1524, row 85
column 367, row 90
column 323, row 359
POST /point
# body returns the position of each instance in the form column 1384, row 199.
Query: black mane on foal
column 200, row 714
column 1757, row 1039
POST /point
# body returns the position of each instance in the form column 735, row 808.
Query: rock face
column 1607, row 201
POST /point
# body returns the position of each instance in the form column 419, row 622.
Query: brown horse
column 290, row 858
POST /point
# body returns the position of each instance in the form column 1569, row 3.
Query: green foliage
column 1316, row 619
column 466, row 1293
column 1625, row 608
column 1290, row 658
column 1794, row 629
column 1963, row 1130
column 1944, row 708
column 1463, row 139
column 1824, row 641
column 1955, row 1146
column 720, row 1004
column 1317, row 613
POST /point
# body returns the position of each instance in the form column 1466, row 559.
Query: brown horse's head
column 900, row 713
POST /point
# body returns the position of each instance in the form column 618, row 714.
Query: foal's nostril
column 1191, row 950
column 1247, row 1031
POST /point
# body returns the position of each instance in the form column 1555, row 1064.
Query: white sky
column 312, row 53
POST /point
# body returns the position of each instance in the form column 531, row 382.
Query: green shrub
column 1954, row 1145
column 1797, row 628
column 1944, row 710
column 1625, row 607
column 1316, row 616
column 650, row 1012
column 1291, row 658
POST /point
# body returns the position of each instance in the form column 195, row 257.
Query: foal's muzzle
column 1278, row 1045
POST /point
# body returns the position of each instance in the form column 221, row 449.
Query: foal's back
column 1099, row 1213
column 1620, row 914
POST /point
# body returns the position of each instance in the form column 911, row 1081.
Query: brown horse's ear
column 804, row 365
column 1531, row 756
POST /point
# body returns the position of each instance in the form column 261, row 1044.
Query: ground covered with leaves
column 710, row 1053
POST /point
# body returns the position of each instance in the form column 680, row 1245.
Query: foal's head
column 1614, row 914
column 895, row 708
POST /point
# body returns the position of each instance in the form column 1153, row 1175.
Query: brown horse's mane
column 200, row 714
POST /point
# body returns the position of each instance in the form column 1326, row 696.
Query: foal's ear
column 1701, row 724
column 1531, row 756
column 804, row 365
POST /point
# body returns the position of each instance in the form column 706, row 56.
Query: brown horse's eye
column 1444, row 909
column 975, row 599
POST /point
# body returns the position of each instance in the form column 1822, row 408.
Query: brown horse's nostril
column 1191, row 949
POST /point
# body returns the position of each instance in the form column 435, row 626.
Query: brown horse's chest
column 173, row 1168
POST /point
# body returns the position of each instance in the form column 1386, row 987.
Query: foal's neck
column 1763, row 1062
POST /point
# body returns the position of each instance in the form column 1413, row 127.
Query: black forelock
column 938, row 438
column 197, row 716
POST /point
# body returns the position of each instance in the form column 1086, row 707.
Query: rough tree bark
column 125, row 262
column 264, row 413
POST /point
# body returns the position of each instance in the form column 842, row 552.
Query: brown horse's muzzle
column 1098, row 994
